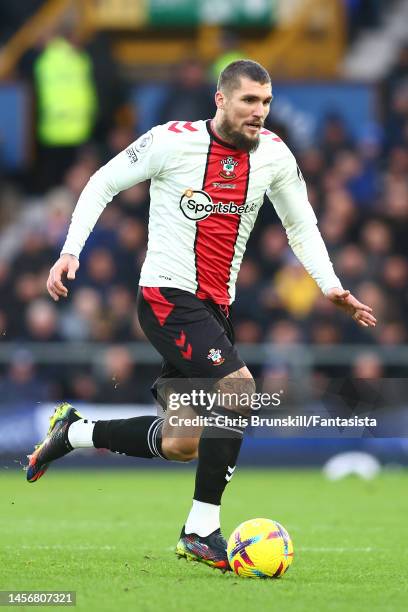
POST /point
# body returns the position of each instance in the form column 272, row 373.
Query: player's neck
column 217, row 130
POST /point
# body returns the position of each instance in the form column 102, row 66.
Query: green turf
column 110, row 537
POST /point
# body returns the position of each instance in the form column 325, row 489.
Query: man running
column 208, row 181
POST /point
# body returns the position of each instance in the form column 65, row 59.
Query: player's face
column 243, row 113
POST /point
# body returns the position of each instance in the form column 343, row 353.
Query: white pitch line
column 307, row 549
column 320, row 549
column 58, row 523
column 85, row 547
column 59, row 547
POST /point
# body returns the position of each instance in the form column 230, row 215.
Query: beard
column 238, row 139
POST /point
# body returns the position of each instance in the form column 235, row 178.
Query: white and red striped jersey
column 205, row 196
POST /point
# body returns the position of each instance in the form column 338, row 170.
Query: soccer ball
column 260, row 548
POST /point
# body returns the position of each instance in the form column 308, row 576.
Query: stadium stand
column 357, row 182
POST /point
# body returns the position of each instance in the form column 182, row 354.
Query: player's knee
column 237, row 389
column 176, row 449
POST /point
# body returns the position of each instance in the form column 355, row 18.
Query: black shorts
column 194, row 337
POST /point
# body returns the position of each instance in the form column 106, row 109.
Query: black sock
column 135, row 437
column 218, row 452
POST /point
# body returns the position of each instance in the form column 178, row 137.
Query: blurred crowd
column 358, row 188
column 365, row 14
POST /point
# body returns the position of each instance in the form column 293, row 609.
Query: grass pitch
column 110, row 536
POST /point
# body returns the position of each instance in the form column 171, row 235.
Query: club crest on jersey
column 228, row 166
column 215, row 356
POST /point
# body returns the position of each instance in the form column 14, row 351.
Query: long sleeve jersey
column 205, row 196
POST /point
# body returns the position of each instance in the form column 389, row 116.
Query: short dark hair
column 229, row 78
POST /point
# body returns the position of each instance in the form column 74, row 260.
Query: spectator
column 376, row 239
column 79, row 317
column 134, row 202
column 118, row 382
column 189, row 97
column 397, row 76
column 334, row 137
column 368, row 365
column 247, row 305
column 273, row 247
column 295, row 289
column 131, row 242
column 121, row 305
column 100, row 270
column 248, row 331
column 83, row 386
column 22, row 383
column 351, row 264
column 66, row 102
column 230, row 51
column 42, row 322
column 397, row 119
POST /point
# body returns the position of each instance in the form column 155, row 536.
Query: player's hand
column 361, row 313
column 66, row 265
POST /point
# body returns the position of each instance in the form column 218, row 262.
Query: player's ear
column 219, row 99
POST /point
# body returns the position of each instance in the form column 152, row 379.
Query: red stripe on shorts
column 158, row 303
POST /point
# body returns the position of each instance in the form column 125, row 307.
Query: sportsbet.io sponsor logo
column 197, row 205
